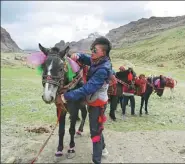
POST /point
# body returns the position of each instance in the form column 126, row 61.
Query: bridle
column 153, row 86
column 55, row 80
column 59, row 80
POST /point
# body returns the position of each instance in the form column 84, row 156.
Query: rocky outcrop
column 143, row 29
column 132, row 32
column 7, row 43
column 81, row 45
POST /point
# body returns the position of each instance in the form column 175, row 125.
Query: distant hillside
column 143, row 29
column 167, row 49
column 7, row 43
column 81, row 45
column 132, row 32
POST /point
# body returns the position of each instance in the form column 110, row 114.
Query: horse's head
column 160, row 86
column 170, row 83
column 125, row 75
column 53, row 72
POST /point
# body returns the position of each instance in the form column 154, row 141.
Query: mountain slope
column 167, row 48
column 143, row 29
column 81, row 45
column 7, row 43
column 130, row 33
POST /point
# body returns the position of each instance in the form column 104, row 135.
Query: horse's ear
column 43, row 49
column 64, row 52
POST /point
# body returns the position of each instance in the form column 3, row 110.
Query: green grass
column 166, row 47
column 21, row 97
column 21, row 87
column 164, row 114
column 21, row 103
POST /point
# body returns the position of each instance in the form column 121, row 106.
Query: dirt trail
column 123, row 147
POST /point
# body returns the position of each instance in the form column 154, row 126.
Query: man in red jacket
column 95, row 92
column 128, row 94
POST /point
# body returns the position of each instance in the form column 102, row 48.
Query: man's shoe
column 124, row 117
column 105, row 152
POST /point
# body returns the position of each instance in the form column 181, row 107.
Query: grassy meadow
column 21, row 87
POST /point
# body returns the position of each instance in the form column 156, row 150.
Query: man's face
column 97, row 52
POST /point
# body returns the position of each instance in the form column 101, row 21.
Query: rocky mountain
column 134, row 31
column 7, row 43
column 81, row 45
column 143, row 29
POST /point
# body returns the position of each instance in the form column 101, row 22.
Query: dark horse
column 55, row 82
column 156, row 84
column 116, row 91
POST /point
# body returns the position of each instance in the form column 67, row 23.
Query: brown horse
column 55, row 82
column 170, row 83
column 115, row 90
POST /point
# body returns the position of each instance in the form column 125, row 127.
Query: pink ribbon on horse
column 37, row 58
column 74, row 65
column 157, row 83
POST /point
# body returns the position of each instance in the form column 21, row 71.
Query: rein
column 152, row 85
column 121, row 82
column 52, row 80
column 72, row 84
column 45, row 143
column 59, row 103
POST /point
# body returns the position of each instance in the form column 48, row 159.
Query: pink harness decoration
column 36, row 59
column 157, row 83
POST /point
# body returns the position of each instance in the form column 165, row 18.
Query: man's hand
column 75, row 56
column 63, row 99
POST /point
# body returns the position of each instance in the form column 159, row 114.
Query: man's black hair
column 102, row 41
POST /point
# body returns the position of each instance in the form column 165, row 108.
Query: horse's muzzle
column 46, row 100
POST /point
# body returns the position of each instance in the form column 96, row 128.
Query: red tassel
column 100, row 119
column 130, row 77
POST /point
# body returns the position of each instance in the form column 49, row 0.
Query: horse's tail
column 176, row 82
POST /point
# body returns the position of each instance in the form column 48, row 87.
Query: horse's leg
column 61, row 134
column 78, row 118
column 146, row 104
column 120, row 100
column 125, row 102
column 84, row 115
column 113, row 106
column 73, row 107
column 142, row 103
column 132, row 104
column 172, row 93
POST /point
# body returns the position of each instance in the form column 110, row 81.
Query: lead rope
column 45, row 143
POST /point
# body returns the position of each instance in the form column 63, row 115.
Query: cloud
column 48, row 22
column 166, row 8
column 124, row 12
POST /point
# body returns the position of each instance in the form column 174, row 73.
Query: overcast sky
column 48, row 22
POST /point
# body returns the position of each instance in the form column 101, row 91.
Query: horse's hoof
column 146, row 113
column 71, row 153
column 58, row 154
column 140, row 114
column 113, row 119
column 78, row 134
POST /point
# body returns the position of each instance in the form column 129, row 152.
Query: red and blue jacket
column 95, row 90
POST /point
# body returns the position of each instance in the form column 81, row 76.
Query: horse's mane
column 122, row 75
column 55, row 49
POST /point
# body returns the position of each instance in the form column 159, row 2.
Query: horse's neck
column 66, row 80
column 122, row 76
column 153, row 79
